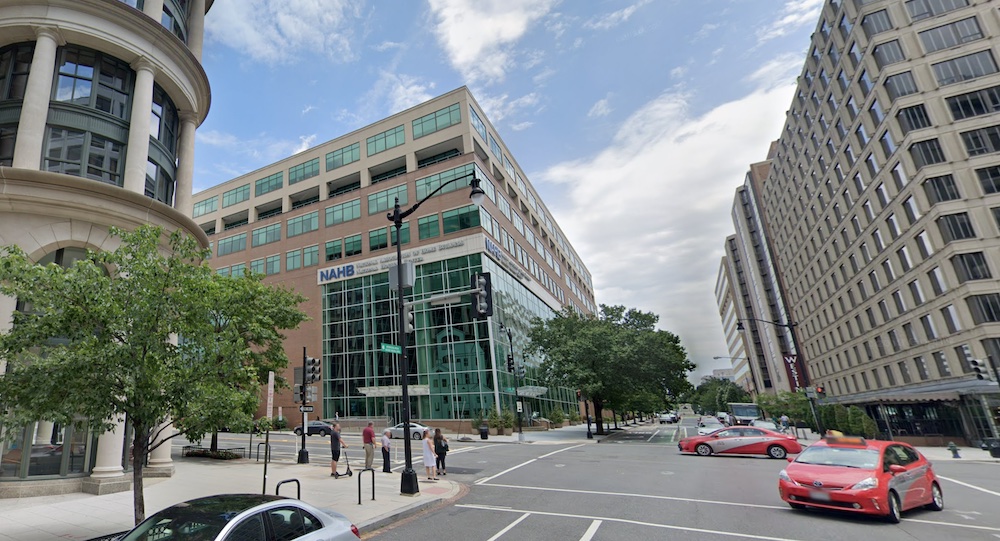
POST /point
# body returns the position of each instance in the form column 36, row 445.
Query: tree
column 714, row 395
column 610, row 356
column 141, row 333
column 794, row 405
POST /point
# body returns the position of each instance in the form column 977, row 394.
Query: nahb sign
column 333, row 274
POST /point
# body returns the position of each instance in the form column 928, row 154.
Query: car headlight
column 871, row 482
column 783, row 475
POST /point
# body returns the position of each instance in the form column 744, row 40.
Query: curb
column 392, row 518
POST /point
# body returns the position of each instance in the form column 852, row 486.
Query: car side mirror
column 790, row 458
column 896, row 468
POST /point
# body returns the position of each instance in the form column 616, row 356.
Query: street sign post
column 391, row 348
column 306, row 409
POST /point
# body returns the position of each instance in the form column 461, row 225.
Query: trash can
column 993, row 446
column 484, row 432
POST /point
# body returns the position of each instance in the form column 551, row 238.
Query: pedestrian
column 336, row 416
column 386, row 444
column 368, row 442
column 441, row 449
column 430, row 456
column 784, row 422
column 336, row 443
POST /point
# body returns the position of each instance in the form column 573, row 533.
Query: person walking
column 440, row 449
column 368, row 442
column 430, row 456
column 336, row 443
column 386, row 444
column 784, row 422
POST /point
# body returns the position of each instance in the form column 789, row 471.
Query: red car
column 863, row 476
column 742, row 440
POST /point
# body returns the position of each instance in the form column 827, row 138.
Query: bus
column 742, row 413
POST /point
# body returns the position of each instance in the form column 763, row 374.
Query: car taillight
column 355, row 530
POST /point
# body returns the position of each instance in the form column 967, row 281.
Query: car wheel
column 298, row 431
column 937, row 498
column 417, row 436
column 894, row 508
column 777, row 451
column 703, row 449
column 796, row 505
column 324, row 433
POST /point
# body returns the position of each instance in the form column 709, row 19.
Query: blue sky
column 635, row 120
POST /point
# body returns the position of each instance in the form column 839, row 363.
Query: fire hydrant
column 954, row 449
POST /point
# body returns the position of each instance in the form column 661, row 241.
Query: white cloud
column 705, row 30
column 600, row 108
column 277, row 31
column 244, row 155
column 678, row 72
column 307, row 109
column 387, row 46
column 499, row 107
column 521, row 126
column 611, row 20
column 794, row 14
column 479, row 36
column 650, row 213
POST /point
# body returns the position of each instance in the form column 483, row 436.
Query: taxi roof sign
column 846, row 440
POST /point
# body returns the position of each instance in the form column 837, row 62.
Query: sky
column 635, row 120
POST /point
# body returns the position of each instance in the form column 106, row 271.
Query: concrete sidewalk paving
column 83, row 516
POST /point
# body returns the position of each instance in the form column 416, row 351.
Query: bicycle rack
column 267, row 451
column 298, row 488
column 360, row 475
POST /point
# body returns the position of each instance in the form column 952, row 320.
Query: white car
column 707, row 425
column 247, row 517
column 416, row 431
column 668, row 417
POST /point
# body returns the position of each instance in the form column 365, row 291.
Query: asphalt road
column 642, row 488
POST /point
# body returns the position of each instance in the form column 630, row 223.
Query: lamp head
column 477, row 193
column 739, row 325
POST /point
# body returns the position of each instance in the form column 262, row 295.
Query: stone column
column 160, row 463
column 196, row 27
column 137, row 153
column 43, row 432
column 35, row 107
column 153, row 9
column 107, row 475
column 185, row 163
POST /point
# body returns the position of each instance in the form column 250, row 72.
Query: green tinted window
column 344, row 212
column 386, row 140
column 386, row 199
column 236, row 195
column 266, row 235
column 458, row 219
column 310, row 256
column 438, row 120
column 303, row 171
column 334, row 249
column 239, row 270
column 428, row 227
column 236, row 243
column 378, row 239
column 269, row 183
column 352, row 245
column 404, row 231
column 257, row 266
column 303, row 224
column 206, row 206
column 273, row 264
column 293, row 260
column 344, row 156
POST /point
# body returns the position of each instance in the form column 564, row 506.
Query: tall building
column 317, row 222
column 883, row 208
column 99, row 101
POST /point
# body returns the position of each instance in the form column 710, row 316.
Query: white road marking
column 508, row 470
column 968, row 526
column 626, row 521
column 653, row 436
column 589, row 534
column 509, row 526
column 974, row 487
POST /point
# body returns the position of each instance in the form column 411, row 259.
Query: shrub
column 507, row 418
column 574, row 416
column 557, row 416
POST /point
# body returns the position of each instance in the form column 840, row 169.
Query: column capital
column 51, row 33
column 143, row 64
column 187, row 115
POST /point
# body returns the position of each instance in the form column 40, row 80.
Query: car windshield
column 764, row 424
column 850, row 457
column 712, row 423
column 203, row 518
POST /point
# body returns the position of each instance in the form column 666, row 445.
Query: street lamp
column 520, row 381
column 408, row 484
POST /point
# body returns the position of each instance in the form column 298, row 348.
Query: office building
column 317, row 222
column 99, row 101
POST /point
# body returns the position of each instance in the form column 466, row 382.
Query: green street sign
column 508, row 389
column 391, row 348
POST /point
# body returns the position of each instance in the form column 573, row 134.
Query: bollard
column 954, row 450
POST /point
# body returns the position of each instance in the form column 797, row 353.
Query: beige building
column 883, row 210
column 317, row 222
column 99, row 101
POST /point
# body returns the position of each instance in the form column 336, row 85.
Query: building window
column 899, row 85
column 940, row 189
column 378, row 239
column 984, row 308
column 303, row 224
column 964, row 68
column 876, row 23
column 236, row 195
column 989, row 179
column 344, row 212
column 458, row 219
column 386, row 140
column 937, row 281
column 427, row 185
column 970, row 266
column 942, row 364
column 293, row 260
column 921, row 368
column 15, row 64
column 310, row 256
column 385, row 200
column 912, row 118
column 428, row 227
column 257, row 266
column 876, row 113
column 889, row 376
column 950, row 35
column 164, row 122
column 887, row 143
column 93, row 80
column 272, row 264
column 266, row 235
column 950, row 317
column 204, row 207
column 926, row 153
column 404, row 232
column 334, row 249
column 982, row 141
column 238, row 270
column 903, row 254
column 973, row 104
column 438, row 120
column 888, row 53
column 477, row 122
column 911, row 335
column 343, row 156
column 925, row 9
column 269, row 183
column 956, row 227
column 845, row 26
column 916, row 292
column 352, row 245
column 229, row 245
column 84, row 154
column 303, row 171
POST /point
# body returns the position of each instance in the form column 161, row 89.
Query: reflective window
column 438, row 120
column 343, row 156
column 94, row 80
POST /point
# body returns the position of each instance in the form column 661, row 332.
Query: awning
column 902, row 398
column 531, row 391
column 395, row 390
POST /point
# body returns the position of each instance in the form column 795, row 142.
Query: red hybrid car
column 863, row 476
column 742, row 440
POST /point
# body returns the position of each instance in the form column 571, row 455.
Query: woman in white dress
column 430, row 457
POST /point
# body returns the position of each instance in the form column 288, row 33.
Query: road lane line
column 560, row 450
column 509, row 526
column 508, row 470
column 649, row 496
column 655, row 432
column 955, row 524
column 974, row 487
column 589, row 534
column 635, row 522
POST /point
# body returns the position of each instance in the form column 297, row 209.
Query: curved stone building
column 99, row 102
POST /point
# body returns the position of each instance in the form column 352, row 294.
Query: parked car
column 668, row 417
column 852, row 474
column 322, row 428
column 741, row 440
column 247, row 517
column 416, row 431
column 707, row 425
column 760, row 423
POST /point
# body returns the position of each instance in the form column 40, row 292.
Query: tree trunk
column 615, row 415
column 215, row 441
column 140, row 450
column 598, row 415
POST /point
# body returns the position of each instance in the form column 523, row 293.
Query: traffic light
column 510, row 363
column 979, row 367
column 482, row 298
column 297, row 393
column 820, row 392
column 311, row 393
column 312, row 370
column 408, row 318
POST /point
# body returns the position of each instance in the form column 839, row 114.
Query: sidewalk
column 84, row 516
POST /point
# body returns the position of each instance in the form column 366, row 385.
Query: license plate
column 819, row 495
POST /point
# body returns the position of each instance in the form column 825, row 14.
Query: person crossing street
column 368, row 442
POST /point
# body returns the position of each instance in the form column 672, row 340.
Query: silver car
column 247, row 517
column 416, row 431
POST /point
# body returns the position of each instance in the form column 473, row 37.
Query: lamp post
column 408, row 484
column 517, row 391
column 798, row 351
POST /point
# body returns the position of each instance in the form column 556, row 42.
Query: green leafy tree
column 856, row 420
column 610, row 356
column 507, row 418
column 495, row 420
column 714, row 394
column 843, row 418
column 144, row 333
column 557, row 416
column 794, row 405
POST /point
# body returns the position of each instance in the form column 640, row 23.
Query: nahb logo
column 336, row 273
